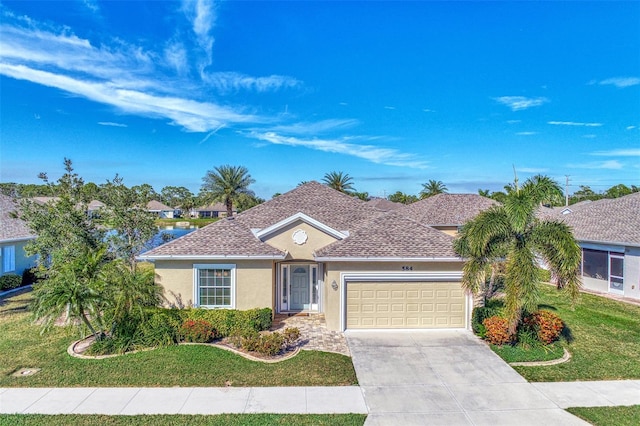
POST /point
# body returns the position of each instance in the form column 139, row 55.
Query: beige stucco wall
column 254, row 282
column 283, row 240
column 331, row 297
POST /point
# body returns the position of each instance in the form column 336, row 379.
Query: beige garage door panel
column 405, row 305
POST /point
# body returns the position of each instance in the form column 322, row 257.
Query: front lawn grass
column 537, row 353
column 22, row 346
column 608, row 416
column 172, row 420
column 603, row 336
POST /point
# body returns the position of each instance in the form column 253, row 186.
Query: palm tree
column 73, row 290
column 226, row 183
column 432, row 188
column 511, row 232
column 484, row 192
column 339, row 181
column 549, row 191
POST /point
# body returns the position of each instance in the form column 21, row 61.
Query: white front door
column 299, row 287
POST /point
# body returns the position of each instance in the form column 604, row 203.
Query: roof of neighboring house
column 44, row 200
column 384, row 205
column 154, row 205
column 447, row 209
column 95, row 205
column 216, row 207
column 370, row 232
column 12, row 228
column 614, row 220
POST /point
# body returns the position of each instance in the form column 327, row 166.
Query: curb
column 565, row 358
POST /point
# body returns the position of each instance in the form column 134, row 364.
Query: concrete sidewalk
column 176, row 400
column 592, row 394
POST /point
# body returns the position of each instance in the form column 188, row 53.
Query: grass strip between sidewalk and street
column 609, row 416
column 177, row 419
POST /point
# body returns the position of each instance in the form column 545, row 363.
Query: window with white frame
column 215, row 286
column 9, row 259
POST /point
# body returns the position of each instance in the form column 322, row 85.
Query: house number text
column 407, row 268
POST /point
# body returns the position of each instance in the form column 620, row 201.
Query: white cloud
column 590, row 136
column 532, row 170
column 111, row 124
column 428, row 110
column 526, row 133
column 621, row 82
column 610, row 165
column 517, row 103
column 375, row 154
column 514, row 121
column 192, row 115
column 630, row 127
column 313, row 128
column 202, row 16
column 632, row 152
column 573, row 123
column 389, row 107
column 226, row 82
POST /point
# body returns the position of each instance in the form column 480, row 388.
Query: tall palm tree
column 339, row 181
column 511, row 232
column 484, row 192
column 549, row 191
column 433, row 187
column 225, row 184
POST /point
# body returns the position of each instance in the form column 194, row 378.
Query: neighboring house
column 213, row 210
column 384, row 205
column 317, row 250
column 608, row 232
column 161, row 210
column 14, row 235
column 447, row 212
column 93, row 208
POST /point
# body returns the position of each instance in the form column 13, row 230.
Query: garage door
column 405, row 305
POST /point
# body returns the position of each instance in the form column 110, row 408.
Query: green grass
column 175, row 420
column 538, row 353
column 21, row 345
column 604, row 339
column 608, row 416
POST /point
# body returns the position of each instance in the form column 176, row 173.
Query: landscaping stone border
column 565, row 358
column 76, row 348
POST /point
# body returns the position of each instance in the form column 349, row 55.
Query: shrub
column 197, row 331
column 10, row 281
column 291, row 336
column 497, row 330
column 480, row 314
column 547, row 326
column 29, row 276
column 270, row 343
column 160, row 328
column 229, row 322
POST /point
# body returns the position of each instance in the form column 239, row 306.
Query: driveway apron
column 443, row 377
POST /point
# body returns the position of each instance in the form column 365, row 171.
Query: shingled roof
column 371, row 233
column 391, row 236
column 447, row 209
column 12, row 228
column 384, row 205
column 613, row 221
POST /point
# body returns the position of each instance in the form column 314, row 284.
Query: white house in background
column 14, row 235
column 213, row 210
column 608, row 232
column 162, row 210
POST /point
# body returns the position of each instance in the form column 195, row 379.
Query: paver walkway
column 314, row 334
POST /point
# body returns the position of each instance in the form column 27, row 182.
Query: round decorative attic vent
column 299, row 237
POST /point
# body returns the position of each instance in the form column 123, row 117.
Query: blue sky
column 392, row 93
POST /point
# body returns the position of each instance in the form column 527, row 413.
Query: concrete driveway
column 444, row 378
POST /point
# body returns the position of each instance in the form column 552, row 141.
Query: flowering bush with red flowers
column 547, row 325
column 497, row 331
column 197, row 331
